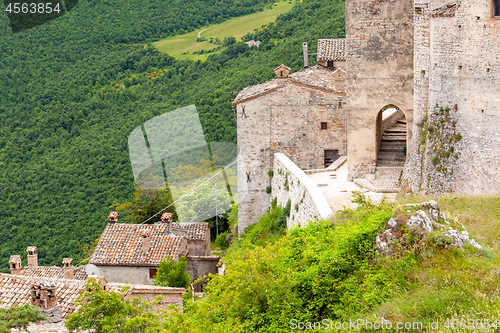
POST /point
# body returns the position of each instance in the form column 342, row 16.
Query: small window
column 324, row 125
column 152, row 273
column 329, row 64
column 496, row 8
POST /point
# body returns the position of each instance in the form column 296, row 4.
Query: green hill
column 72, row 90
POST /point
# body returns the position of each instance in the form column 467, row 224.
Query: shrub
column 221, row 241
column 19, row 317
column 172, row 273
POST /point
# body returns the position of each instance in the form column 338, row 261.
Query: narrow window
column 152, row 273
column 496, row 3
column 324, row 125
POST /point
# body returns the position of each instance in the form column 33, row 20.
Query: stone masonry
column 456, row 68
column 307, row 203
column 301, row 115
column 379, row 41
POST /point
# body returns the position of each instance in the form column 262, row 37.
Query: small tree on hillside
column 172, row 273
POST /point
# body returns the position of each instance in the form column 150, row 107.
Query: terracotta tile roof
column 196, row 231
column 121, row 245
column 331, row 49
column 52, row 272
column 16, row 290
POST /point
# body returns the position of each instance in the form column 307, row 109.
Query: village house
column 301, row 115
column 131, row 253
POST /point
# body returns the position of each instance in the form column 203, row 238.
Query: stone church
column 413, row 91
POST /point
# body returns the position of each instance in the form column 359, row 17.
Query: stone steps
column 392, row 146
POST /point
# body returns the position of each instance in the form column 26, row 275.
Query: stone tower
column 379, row 41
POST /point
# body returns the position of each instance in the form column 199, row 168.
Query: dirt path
column 199, row 33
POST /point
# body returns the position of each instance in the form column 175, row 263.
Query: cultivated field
column 183, row 46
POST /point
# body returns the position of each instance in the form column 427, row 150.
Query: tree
column 172, row 273
column 109, row 312
column 19, row 317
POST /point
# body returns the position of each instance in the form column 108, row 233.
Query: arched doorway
column 391, row 137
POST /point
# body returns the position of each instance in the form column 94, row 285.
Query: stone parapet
column 289, row 182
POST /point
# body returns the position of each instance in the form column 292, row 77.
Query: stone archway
column 391, row 137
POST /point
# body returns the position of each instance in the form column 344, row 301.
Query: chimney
column 113, row 217
column 306, row 56
column 68, row 269
column 145, row 241
column 15, row 264
column 167, row 218
column 44, row 295
column 32, row 256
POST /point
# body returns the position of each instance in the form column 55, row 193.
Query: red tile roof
column 196, row 231
column 121, row 245
column 16, row 290
column 52, row 272
column 331, row 49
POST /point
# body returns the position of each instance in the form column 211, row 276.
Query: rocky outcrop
column 419, row 226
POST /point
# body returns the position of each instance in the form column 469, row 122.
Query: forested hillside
column 72, row 90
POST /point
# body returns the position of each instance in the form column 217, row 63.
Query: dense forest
column 72, row 90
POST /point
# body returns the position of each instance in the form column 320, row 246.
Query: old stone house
column 131, row 253
column 300, row 114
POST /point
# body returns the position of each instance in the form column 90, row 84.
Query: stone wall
column 198, row 266
column 169, row 296
column 289, row 182
column 457, row 68
column 285, row 118
column 126, row 274
column 379, row 41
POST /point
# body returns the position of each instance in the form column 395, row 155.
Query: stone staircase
column 392, row 147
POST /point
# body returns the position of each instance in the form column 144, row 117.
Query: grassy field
column 183, row 46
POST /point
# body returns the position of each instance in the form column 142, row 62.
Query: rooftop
column 16, row 290
column 316, row 76
column 123, row 244
column 52, row 272
column 331, row 49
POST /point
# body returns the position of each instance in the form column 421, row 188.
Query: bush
column 221, row 241
column 172, row 273
column 19, row 317
column 104, row 311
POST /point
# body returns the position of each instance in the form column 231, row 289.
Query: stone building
column 301, row 115
column 379, row 42
column 131, row 253
column 456, row 146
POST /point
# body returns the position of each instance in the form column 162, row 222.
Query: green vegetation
column 72, row 90
column 188, row 46
column 19, row 317
column 331, row 270
column 172, row 273
column 104, row 312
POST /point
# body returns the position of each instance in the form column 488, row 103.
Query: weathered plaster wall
column 287, row 119
column 126, row 274
column 379, row 72
column 291, row 183
column 457, row 63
